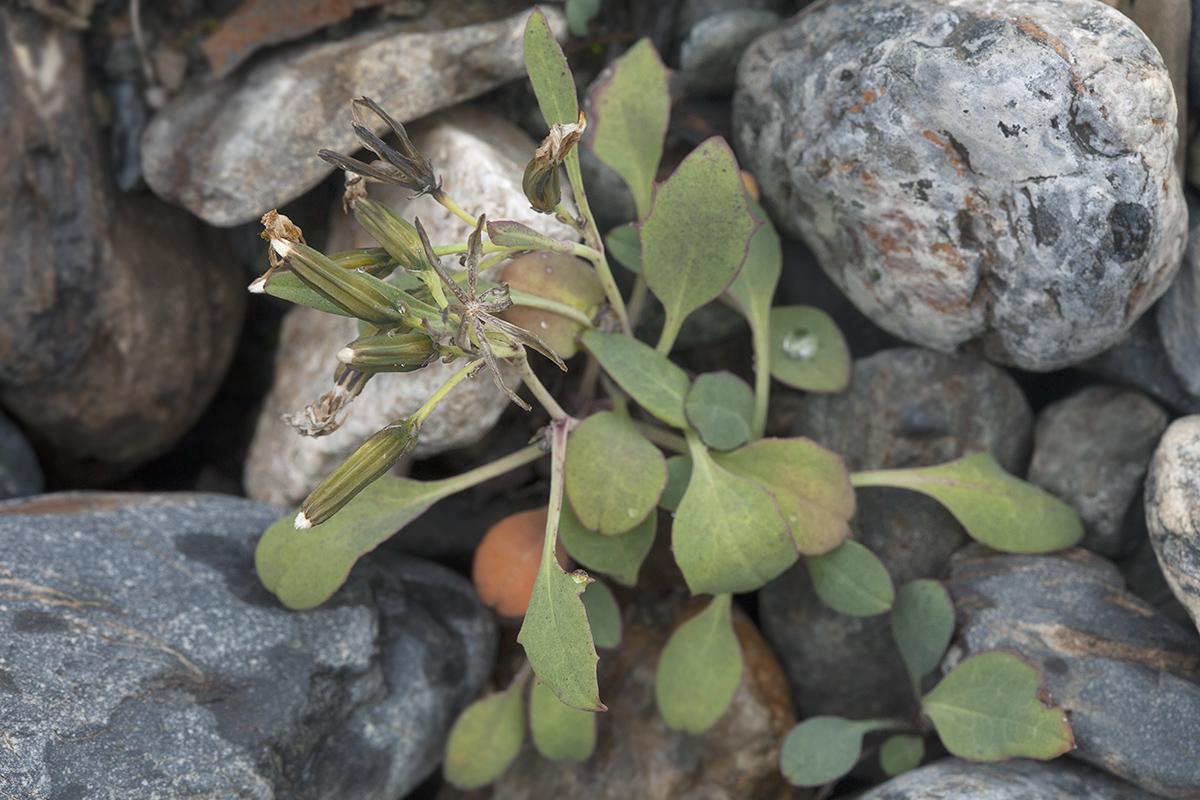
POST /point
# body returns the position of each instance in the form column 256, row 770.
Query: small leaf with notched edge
column 557, row 639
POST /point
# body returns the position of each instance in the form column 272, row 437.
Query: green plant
column 746, row 508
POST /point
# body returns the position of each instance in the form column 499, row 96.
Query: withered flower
column 541, row 181
column 406, row 167
column 476, row 312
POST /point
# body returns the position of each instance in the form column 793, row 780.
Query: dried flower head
column 541, row 181
column 406, row 166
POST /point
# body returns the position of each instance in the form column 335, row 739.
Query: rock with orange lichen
column 991, row 173
column 1128, row 677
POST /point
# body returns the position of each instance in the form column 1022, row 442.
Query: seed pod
column 371, row 260
column 364, row 466
column 356, row 293
column 396, row 234
column 541, row 186
column 389, row 353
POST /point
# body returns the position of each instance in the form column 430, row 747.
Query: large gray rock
column 994, row 172
column 904, row 408
column 1125, row 674
column 1173, row 510
column 1019, row 779
column 142, row 658
column 481, row 159
column 1091, row 450
column 118, row 317
column 1140, row 360
column 233, row 149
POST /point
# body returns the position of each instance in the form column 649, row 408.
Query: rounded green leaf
column 699, row 670
column 679, row 474
column 618, row 556
column 852, row 580
column 922, row 623
column 560, row 733
column 629, row 108
column 996, row 508
column 728, row 534
column 625, row 245
column 696, row 235
column 653, row 380
column 807, row 350
column 900, row 753
column 485, row 739
column 603, row 614
column 809, row 482
column 720, row 407
column 823, row 749
column 989, row 709
column 614, row 474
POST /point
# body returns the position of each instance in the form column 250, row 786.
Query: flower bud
column 364, row 466
column 389, row 353
column 354, row 292
column 396, row 234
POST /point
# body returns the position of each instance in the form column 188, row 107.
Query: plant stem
column 591, row 235
column 762, row 378
column 539, row 391
column 874, row 477
column 661, row 437
column 454, row 208
column 562, row 309
column 488, row 471
column 637, row 300
column 558, row 471
column 418, row 417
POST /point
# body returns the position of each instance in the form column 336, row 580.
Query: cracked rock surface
column 991, row 172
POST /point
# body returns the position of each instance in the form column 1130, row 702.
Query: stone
column 118, row 317
column 904, row 408
column 708, row 57
column 232, row 149
column 1092, row 450
column 1178, row 315
column 637, row 755
column 481, row 159
column 1173, row 510
column 1140, row 360
column 991, row 173
column 1019, row 779
column 1125, row 674
column 20, row 474
column 142, row 658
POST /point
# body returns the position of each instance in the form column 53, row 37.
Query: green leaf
column 852, row 580
column 650, row 378
column 809, row 482
column 823, row 749
column 754, row 287
column 579, row 14
column 988, row 709
column 728, row 534
column 997, row 509
column 485, row 739
column 922, row 623
column 614, row 474
column 807, row 350
column 679, row 473
column 304, row 567
column 699, row 670
column 618, row 556
column 509, row 233
column 560, row 733
column 603, row 613
column 720, row 407
column 557, row 639
column 629, row 107
column 696, row 235
column 548, row 72
column 900, row 753
column 625, row 245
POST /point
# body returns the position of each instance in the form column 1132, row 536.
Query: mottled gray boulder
column 118, row 317
column 904, row 408
column 20, row 474
column 992, row 172
column 481, row 159
column 1179, row 319
column 1091, row 450
column 1125, row 674
column 1140, row 360
column 1173, row 510
column 231, row 150
column 142, row 658
column 1019, row 779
